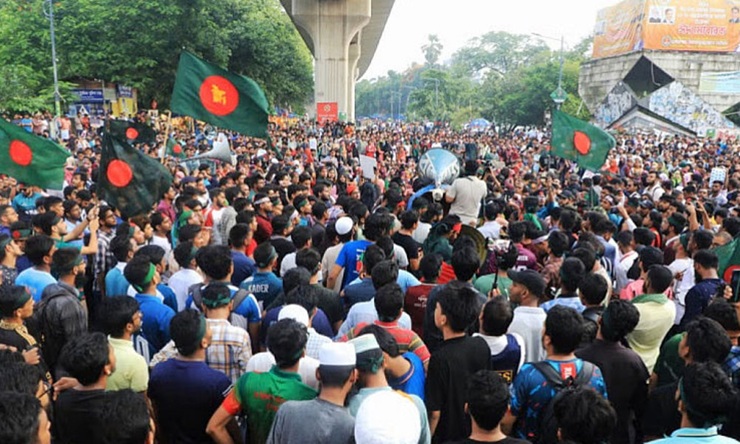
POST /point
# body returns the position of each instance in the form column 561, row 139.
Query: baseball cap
column 344, row 225
column 566, row 195
column 533, row 281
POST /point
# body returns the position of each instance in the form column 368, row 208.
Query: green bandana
column 201, row 329
column 147, row 279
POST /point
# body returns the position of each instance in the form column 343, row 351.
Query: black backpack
column 547, row 424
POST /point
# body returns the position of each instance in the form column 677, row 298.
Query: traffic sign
column 559, row 95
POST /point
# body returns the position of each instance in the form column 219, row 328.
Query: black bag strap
column 197, row 295
column 553, row 377
column 238, row 298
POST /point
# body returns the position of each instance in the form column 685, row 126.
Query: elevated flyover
column 342, row 36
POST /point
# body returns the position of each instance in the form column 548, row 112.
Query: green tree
column 138, row 42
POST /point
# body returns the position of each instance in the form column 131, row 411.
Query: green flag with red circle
column 132, row 132
column 729, row 259
column 31, row 159
column 579, row 141
column 227, row 100
column 174, row 148
column 130, row 180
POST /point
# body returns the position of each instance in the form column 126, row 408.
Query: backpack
column 235, row 319
column 547, row 424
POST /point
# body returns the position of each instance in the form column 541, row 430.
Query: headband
column 273, row 254
column 457, row 227
column 193, row 253
column 220, row 302
column 147, row 279
column 301, row 202
column 540, row 239
column 201, row 329
column 21, row 301
column 261, row 201
column 56, row 220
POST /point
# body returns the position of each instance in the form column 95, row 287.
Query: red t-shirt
column 415, row 305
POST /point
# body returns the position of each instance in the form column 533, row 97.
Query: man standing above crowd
column 466, row 194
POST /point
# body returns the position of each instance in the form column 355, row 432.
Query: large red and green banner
column 212, row 94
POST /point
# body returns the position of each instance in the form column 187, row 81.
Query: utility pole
column 558, row 96
column 57, row 96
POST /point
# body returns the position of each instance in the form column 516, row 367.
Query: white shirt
column 161, row 242
column 490, row 230
column 263, row 362
column 528, row 323
column 364, row 312
column 181, row 282
column 497, row 344
column 422, row 232
column 681, row 287
column 289, row 262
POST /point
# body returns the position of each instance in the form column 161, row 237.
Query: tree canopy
column 505, row 78
column 138, row 42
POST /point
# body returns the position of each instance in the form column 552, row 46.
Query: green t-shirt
column 484, row 284
column 261, row 395
column 669, row 366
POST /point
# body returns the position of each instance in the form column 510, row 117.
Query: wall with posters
column 620, row 100
column 679, row 104
column 667, row 25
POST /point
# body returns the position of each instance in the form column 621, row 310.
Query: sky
column 458, row 21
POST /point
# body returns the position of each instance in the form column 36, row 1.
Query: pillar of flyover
column 332, row 24
column 354, row 57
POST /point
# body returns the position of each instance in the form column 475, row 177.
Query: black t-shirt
column 330, row 304
column 13, row 339
column 409, row 245
column 661, row 414
column 626, row 378
column 283, row 247
column 506, row 440
column 77, row 416
column 447, row 378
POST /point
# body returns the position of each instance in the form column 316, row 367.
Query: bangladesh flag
column 729, row 259
column 31, row 159
column 130, row 180
column 209, row 93
column 174, row 149
column 132, row 132
column 576, row 140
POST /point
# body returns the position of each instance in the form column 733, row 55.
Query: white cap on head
column 387, row 417
column 337, row 354
column 344, row 225
column 364, row 343
column 295, row 312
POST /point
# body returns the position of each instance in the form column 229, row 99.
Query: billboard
column 619, row 29
column 667, row 25
column 692, row 25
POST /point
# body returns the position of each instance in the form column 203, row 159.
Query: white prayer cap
column 344, row 225
column 337, row 354
column 295, row 312
column 364, row 343
column 387, row 417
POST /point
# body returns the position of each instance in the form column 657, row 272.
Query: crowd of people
column 293, row 296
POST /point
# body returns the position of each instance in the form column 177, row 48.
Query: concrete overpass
column 342, row 36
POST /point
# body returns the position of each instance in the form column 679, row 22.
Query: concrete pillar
column 352, row 71
column 332, row 24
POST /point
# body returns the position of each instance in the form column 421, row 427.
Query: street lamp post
column 436, row 92
column 57, row 96
column 558, row 96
